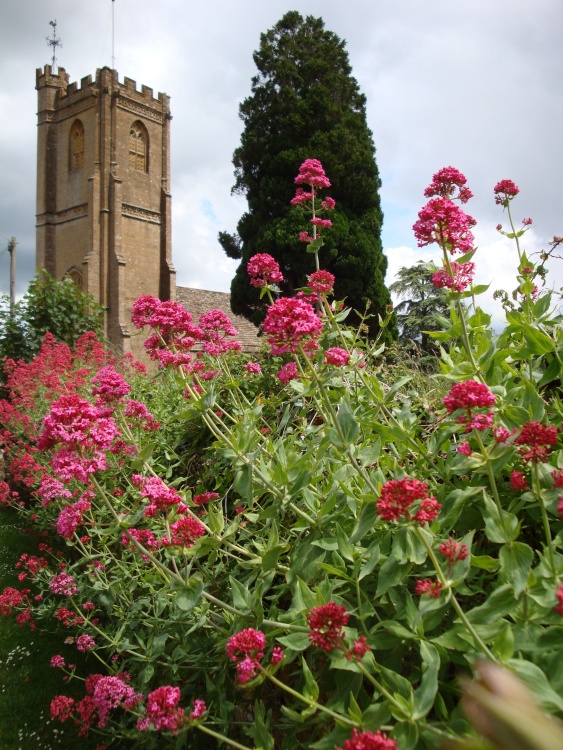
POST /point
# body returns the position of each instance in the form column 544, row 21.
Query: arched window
column 74, row 274
column 76, row 161
column 139, row 147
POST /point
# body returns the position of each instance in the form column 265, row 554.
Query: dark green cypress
column 305, row 104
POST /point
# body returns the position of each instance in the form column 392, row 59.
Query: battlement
column 106, row 78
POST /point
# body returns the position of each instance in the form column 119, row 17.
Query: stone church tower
column 103, row 192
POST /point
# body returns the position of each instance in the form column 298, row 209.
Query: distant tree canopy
column 49, row 306
column 305, row 104
column 420, row 303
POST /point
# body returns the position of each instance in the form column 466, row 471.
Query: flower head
column 321, row 282
column 453, row 551
column 535, row 441
column 336, row 356
column 326, row 625
column 398, row 496
column 368, row 741
column 246, row 649
column 505, row 190
column 291, row 323
column 469, row 395
column 288, row 372
column 163, row 711
column 460, row 278
column 441, row 221
column 449, row 182
column 263, row 270
column 311, row 173
column 432, row 588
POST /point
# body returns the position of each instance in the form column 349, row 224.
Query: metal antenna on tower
column 54, row 42
column 113, row 34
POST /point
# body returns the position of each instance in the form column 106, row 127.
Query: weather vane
column 54, row 42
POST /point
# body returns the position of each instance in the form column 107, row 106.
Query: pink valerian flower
column 71, row 517
column 398, row 496
column 326, row 624
column 323, row 223
column 444, row 223
column 145, row 537
column 527, row 222
column 337, row 357
column 51, row 489
column 559, row 607
column 557, row 477
column 277, row 655
column 163, row 711
column 305, row 237
column 291, row 323
column 184, row 532
column 61, row 708
column 63, row 583
column 111, row 386
column 502, row 434
column 263, row 270
column 458, row 282
column 368, row 741
column 328, row 204
column 453, row 551
column 137, row 414
column 505, row 191
column 464, row 448
column 311, row 173
column 468, row 395
column 57, row 661
column 311, row 298
column 449, row 182
column 476, row 421
column 198, row 709
column 160, row 495
column 288, row 372
column 359, row 648
column 216, row 326
column 75, row 423
column 321, row 282
column 32, row 565
column 204, row 498
column 111, row 692
column 11, row 598
column 301, row 197
column 518, row 481
column 68, row 464
column 246, row 650
column 85, row 643
column 535, row 441
column 432, row 588
column 253, row 367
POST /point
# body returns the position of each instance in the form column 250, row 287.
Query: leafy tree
column 49, row 306
column 421, row 303
column 306, row 104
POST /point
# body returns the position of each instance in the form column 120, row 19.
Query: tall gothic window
column 138, row 147
column 76, row 146
column 76, row 276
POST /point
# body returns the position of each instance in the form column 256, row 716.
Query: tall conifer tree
column 306, row 104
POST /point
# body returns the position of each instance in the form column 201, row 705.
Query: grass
column 27, row 682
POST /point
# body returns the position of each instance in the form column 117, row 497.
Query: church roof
column 199, row 301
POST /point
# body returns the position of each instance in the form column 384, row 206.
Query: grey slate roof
column 199, row 301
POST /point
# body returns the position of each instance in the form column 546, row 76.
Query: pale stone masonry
column 103, row 192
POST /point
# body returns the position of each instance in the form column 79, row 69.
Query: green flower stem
column 379, row 687
column 492, row 482
column 545, row 520
column 514, row 232
column 221, row 737
column 456, row 605
column 308, row 701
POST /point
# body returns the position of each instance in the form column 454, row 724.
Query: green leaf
column 503, row 644
column 364, row 523
column 310, row 688
column 263, row 740
column 538, row 683
column 242, row 598
column 537, row 341
column 295, row 641
column 516, row 562
column 499, row 603
column 425, row 694
column 349, row 427
column 187, row 597
column 390, row 574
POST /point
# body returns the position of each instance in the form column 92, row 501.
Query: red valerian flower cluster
column 288, row 372
column 505, row 191
column 246, row 650
column 263, row 270
column 71, row 517
column 559, row 607
column 326, row 624
column 337, row 357
column 291, row 323
column 184, row 532
column 311, row 173
column 458, row 280
column 444, row 223
column 470, row 395
column 453, row 551
column 163, row 711
column 399, row 497
column 518, row 481
column 535, row 441
column 63, row 583
column 369, row 741
column 432, row 588
column 321, row 282
column 449, row 182
column 161, row 496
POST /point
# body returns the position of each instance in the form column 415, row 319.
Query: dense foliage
column 50, row 306
column 305, row 103
column 301, row 551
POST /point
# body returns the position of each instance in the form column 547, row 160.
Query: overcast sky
column 476, row 85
